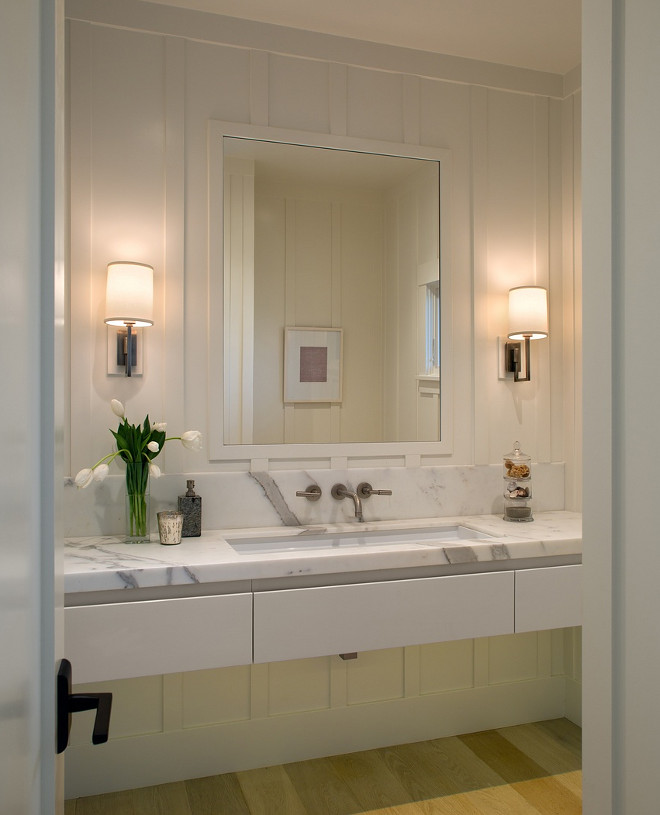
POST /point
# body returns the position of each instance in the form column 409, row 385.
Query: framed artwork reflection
column 312, row 364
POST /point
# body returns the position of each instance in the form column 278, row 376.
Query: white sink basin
column 354, row 539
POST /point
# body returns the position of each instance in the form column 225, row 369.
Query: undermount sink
column 400, row 538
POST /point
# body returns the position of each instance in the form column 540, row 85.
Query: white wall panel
column 511, row 257
column 214, row 696
column 124, row 166
column 375, row 676
column 446, row 666
column 120, row 167
column 513, row 658
column 217, row 83
column 299, row 94
column 299, row 685
column 375, row 105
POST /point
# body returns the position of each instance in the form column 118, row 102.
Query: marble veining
column 99, row 563
column 274, row 495
column 234, row 500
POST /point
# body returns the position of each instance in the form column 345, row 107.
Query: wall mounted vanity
column 227, row 599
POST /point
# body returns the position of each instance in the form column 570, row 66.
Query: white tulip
column 192, row 440
column 153, row 446
column 154, row 470
column 117, row 408
column 101, row 472
column 159, row 426
column 84, row 478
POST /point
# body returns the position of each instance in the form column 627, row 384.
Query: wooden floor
column 524, row 770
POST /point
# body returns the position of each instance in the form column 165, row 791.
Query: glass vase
column 137, row 503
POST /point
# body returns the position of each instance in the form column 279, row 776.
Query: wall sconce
column 528, row 320
column 129, row 303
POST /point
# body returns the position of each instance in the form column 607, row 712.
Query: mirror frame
column 218, row 450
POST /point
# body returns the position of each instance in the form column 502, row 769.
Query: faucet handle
column 312, row 493
column 365, row 489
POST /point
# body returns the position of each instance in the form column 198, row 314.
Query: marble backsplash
column 253, row 499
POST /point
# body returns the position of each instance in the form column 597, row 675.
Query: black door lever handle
column 68, row 703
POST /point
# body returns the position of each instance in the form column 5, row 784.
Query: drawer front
column 299, row 623
column 121, row 640
column 548, row 598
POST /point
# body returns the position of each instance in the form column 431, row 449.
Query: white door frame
column 621, row 255
column 31, row 334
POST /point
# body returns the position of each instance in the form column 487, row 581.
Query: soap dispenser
column 190, row 505
column 517, row 476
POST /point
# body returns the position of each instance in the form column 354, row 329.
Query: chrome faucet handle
column 312, row 493
column 365, row 489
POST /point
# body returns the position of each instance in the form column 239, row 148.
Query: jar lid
column 517, row 454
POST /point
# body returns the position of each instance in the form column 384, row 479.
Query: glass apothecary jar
column 517, row 475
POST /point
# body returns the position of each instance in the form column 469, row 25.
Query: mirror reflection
column 331, row 295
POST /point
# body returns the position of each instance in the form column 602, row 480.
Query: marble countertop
column 97, row 563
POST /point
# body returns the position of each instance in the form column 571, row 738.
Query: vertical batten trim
column 172, row 702
column 570, row 452
column 481, row 674
column 259, row 90
column 289, row 299
column 560, row 286
column 544, row 653
column 543, row 390
column 480, row 320
column 172, row 278
column 338, row 99
column 259, row 691
column 336, row 289
column 411, row 109
column 338, row 681
column 576, row 312
column 412, row 671
column 82, row 327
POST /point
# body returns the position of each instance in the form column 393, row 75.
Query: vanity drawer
column 297, row 623
column 121, row 640
column 548, row 598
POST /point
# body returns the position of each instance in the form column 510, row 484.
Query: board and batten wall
column 143, row 82
column 140, row 102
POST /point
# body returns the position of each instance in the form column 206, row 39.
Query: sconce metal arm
column 513, row 362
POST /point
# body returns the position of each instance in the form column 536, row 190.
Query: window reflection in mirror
column 320, row 238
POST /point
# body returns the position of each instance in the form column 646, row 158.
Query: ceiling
column 543, row 35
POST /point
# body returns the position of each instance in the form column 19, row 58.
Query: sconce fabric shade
column 129, row 297
column 528, row 313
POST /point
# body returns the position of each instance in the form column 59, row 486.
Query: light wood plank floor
column 532, row 769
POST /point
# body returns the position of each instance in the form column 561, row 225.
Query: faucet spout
column 340, row 491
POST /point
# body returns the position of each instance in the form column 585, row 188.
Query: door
column 31, row 329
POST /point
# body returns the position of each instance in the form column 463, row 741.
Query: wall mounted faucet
column 339, row 491
column 365, row 489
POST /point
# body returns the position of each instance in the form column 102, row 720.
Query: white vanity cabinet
column 307, row 622
column 121, row 640
column 548, row 598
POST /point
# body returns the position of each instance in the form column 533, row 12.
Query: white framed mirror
column 330, row 296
